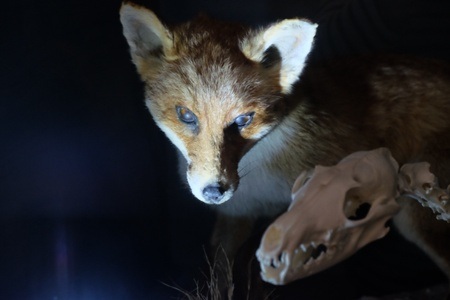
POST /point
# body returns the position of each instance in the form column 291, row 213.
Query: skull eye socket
column 355, row 208
column 244, row 120
column 185, row 115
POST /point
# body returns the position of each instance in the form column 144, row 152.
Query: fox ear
column 149, row 40
column 289, row 41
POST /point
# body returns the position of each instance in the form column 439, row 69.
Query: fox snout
column 211, row 182
column 211, row 193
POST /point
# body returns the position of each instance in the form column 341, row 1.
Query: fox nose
column 213, row 193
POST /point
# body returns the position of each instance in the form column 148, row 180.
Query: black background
column 91, row 205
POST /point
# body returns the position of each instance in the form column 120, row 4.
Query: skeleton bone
column 323, row 226
column 417, row 182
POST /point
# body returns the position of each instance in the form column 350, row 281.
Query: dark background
column 91, row 206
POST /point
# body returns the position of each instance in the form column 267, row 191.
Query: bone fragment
column 417, row 182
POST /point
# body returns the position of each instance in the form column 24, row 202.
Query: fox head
column 214, row 88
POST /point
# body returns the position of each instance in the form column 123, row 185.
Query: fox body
column 248, row 116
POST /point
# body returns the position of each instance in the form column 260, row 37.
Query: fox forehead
column 207, row 53
column 208, row 38
column 203, row 87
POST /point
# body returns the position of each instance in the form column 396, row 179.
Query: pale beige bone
column 417, row 182
column 318, row 216
column 314, row 217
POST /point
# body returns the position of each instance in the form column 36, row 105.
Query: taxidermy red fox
column 248, row 116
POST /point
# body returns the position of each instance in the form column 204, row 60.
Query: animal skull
column 335, row 211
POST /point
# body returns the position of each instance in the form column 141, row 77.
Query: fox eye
column 244, row 120
column 186, row 116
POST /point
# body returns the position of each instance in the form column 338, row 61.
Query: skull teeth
column 312, row 252
column 303, row 247
column 304, row 255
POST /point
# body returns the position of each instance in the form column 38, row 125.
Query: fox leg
column 419, row 225
column 230, row 233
